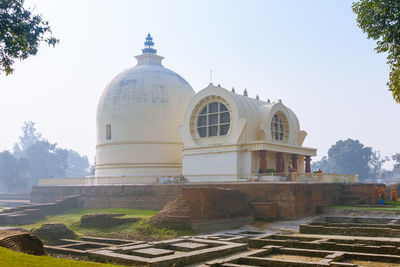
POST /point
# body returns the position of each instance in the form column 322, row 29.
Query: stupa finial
column 148, row 45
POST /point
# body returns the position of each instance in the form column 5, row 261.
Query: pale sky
column 310, row 54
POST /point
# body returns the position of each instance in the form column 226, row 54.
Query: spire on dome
column 245, row 92
column 149, row 54
column 149, row 45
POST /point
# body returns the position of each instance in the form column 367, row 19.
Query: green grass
column 390, row 207
column 11, row 258
column 140, row 230
column 391, row 202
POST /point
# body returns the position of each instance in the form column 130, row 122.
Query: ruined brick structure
column 292, row 200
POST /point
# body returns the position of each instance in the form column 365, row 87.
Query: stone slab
column 188, row 246
column 152, row 252
column 134, row 247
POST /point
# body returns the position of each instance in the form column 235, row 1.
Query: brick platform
column 287, row 200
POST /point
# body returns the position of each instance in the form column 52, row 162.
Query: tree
column 375, row 163
column 322, row 164
column 29, row 137
column 77, row 165
column 34, row 157
column 46, row 160
column 10, row 172
column 21, row 33
column 350, row 157
column 380, row 19
column 396, row 167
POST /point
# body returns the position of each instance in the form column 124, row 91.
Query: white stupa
column 137, row 119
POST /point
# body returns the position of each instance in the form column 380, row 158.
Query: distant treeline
column 352, row 157
column 34, row 157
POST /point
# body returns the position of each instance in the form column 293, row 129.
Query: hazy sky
column 310, row 54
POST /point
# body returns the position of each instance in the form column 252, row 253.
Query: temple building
column 229, row 137
column 151, row 124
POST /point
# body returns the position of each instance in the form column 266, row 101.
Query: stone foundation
column 292, row 200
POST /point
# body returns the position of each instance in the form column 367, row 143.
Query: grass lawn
column 140, row 230
column 11, row 258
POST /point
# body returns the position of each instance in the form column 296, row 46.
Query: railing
column 306, row 177
column 265, row 177
column 112, row 180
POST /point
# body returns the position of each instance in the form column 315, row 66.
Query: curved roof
column 249, row 117
column 138, row 115
column 140, row 95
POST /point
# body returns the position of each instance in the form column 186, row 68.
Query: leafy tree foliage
column 35, row 158
column 376, row 163
column 380, row 19
column 322, row 164
column 352, row 157
column 396, row 167
column 28, row 138
column 77, row 165
column 46, row 160
column 20, row 33
column 11, row 172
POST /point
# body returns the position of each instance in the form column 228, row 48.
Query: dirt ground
column 294, row 258
column 282, row 227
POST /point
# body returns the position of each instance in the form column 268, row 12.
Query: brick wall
column 293, row 199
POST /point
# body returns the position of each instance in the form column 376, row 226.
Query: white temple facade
column 232, row 137
column 151, row 124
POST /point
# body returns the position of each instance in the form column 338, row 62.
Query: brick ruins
column 243, row 248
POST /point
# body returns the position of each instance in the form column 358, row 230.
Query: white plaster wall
column 255, row 162
column 210, row 166
column 136, row 171
column 139, row 154
column 244, row 164
column 137, row 159
column 286, row 160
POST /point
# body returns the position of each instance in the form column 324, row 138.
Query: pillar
column 279, row 162
column 263, row 163
column 307, row 168
column 294, row 162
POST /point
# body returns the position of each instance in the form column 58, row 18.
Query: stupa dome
column 137, row 119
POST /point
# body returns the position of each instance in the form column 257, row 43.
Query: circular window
column 279, row 127
column 213, row 120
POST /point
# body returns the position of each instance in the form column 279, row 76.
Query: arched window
column 279, row 127
column 108, row 131
column 213, row 120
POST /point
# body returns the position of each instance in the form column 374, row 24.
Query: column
column 279, row 162
column 294, row 162
column 307, row 168
column 263, row 163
